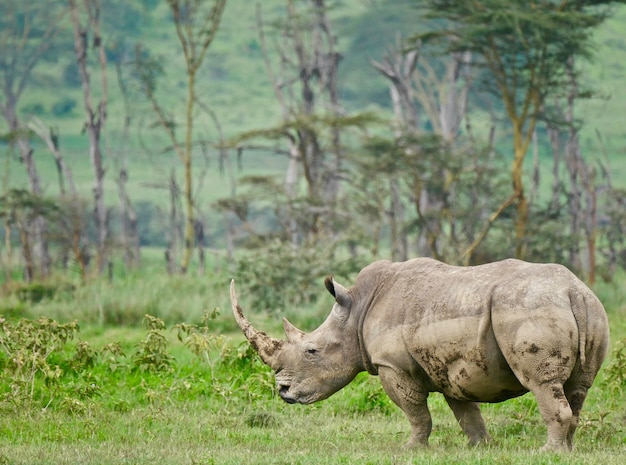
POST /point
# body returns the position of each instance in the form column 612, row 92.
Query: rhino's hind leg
column 470, row 419
column 576, row 398
column 407, row 395
column 576, row 389
column 557, row 414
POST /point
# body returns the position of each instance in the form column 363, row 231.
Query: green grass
column 226, row 411
column 207, row 432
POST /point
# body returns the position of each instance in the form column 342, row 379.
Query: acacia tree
column 196, row 23
column 523, row 49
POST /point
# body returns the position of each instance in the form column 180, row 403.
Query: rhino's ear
column 293, row 334
column 340, row 293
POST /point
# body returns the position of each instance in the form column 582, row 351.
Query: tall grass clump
column 125, row 300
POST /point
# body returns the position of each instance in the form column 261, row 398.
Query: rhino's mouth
column 284, row 394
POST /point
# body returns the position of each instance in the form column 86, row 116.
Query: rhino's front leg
column 469, row 417
column 411, row 398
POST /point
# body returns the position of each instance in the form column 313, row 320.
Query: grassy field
column 136, row 394
column 197, row 433
column 199, row 396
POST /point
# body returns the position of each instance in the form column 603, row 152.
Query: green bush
column 615, row 373
column 279, row 275
column 36, row 292
column 63, row 106
column 33, row 109
column 41, row 367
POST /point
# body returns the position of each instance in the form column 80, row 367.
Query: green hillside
column 235, row 85
column 603, row 131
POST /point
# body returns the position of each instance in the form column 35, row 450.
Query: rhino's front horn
column 266, row 346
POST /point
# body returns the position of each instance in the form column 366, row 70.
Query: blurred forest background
column 284, row 140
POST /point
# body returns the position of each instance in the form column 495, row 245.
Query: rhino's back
column 431, row 291
column 468, row 327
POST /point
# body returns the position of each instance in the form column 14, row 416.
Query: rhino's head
column 310, row 366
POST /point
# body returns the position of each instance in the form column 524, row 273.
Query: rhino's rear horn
column 266, row 346
column 340, row 293
column 328, row 282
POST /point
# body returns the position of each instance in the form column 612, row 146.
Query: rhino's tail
column 579, row 309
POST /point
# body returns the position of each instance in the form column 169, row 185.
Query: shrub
column 151, row 354
column 63, row 106
column 35, row 292
column 615, row 373
column 280, row 275
column 28, row 351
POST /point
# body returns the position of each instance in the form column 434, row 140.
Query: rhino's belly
column 462, row 359
column 465, row 381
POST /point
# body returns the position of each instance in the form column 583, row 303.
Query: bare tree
column 27, row 33
column 305, row 83
column 174, row 228
column 196, row 23
column 399, row 69
column 442, row 99
column 583, row 188
column 95, row 116
column 128, row 215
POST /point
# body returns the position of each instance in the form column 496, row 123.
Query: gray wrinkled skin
column 476, row 334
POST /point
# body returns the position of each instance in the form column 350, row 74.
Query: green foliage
column 279, row 275
column 615, row 373
column 93, row 395
column 28, row 352
column 151, row 354
column 41, row 367
column 34, row 109
column 150, row 225
column 35, row 292
column 71, row 77
column 464, row 187
column 368, row 396
column 63, row 107
column 18, row 207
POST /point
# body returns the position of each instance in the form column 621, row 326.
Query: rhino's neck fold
column 365, row 358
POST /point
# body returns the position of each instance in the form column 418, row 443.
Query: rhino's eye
column 311, row 351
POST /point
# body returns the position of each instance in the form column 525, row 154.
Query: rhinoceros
column 475, row 334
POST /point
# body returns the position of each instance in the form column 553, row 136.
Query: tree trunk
column 520, row 147
column 190, row 209
column 199, row 238
column 399, row 242
column 38, row 247
column 9, row 251
column 554, row 136
column 174, row 239
column 128, row 220
column 195, row 37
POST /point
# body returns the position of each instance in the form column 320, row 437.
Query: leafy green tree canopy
column 526, row 50
column 524, row 44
